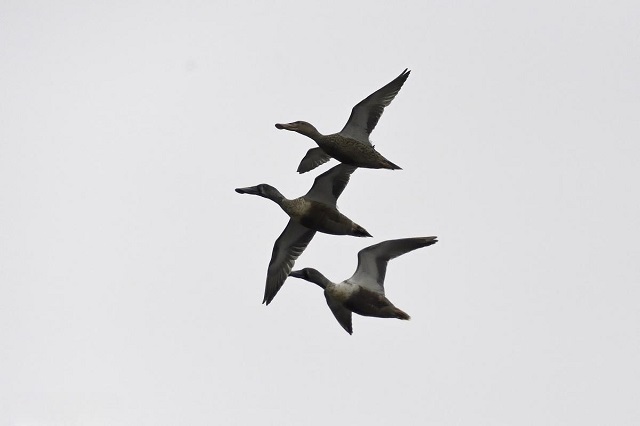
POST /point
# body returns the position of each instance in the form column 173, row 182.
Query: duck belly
column 354, row 153
column 370, row 304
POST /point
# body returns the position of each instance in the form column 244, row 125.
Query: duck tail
column 389, row 165
column 359, row 231
column 401, row 314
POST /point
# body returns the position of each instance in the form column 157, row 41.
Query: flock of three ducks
column 316, row 211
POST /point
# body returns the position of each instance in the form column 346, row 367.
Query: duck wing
column 329, row 185
column 342, row 314
column 312, row 159
column 289, row 245
column 365, row 115
column 372, row 261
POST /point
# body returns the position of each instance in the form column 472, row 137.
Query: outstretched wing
column 312, row 159
column 365, row 115
column 289, row 245
column 372, row 261
column 342, row 314
column 328, row 186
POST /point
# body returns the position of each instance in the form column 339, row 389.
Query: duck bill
column 296, row 274
column 286, row 126
column 253, row 190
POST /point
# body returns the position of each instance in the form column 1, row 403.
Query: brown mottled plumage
column 321, row 217
column 350, row 151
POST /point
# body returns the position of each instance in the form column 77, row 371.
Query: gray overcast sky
column 131, row 273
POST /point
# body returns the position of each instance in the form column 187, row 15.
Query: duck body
column 363, row 302
column 371, row 304
column 350, row 151
column 321, row 217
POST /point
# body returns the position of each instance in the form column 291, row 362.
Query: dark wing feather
column 329, row 185
column 342, row 314
column 313, row 158
column 289, row 245
column 373, row 260
column 365, row 115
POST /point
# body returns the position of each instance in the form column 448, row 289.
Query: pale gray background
column 132, row 273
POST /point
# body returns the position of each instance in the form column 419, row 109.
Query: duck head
column 263, row 190
column 301, row 127
column 311, row 275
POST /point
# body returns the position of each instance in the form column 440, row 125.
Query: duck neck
column 311, row 132
column 316, row 277
column 274, row 195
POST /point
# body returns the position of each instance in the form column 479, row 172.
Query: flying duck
column 351, row 145
column 363, row 293
column 315, row 211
